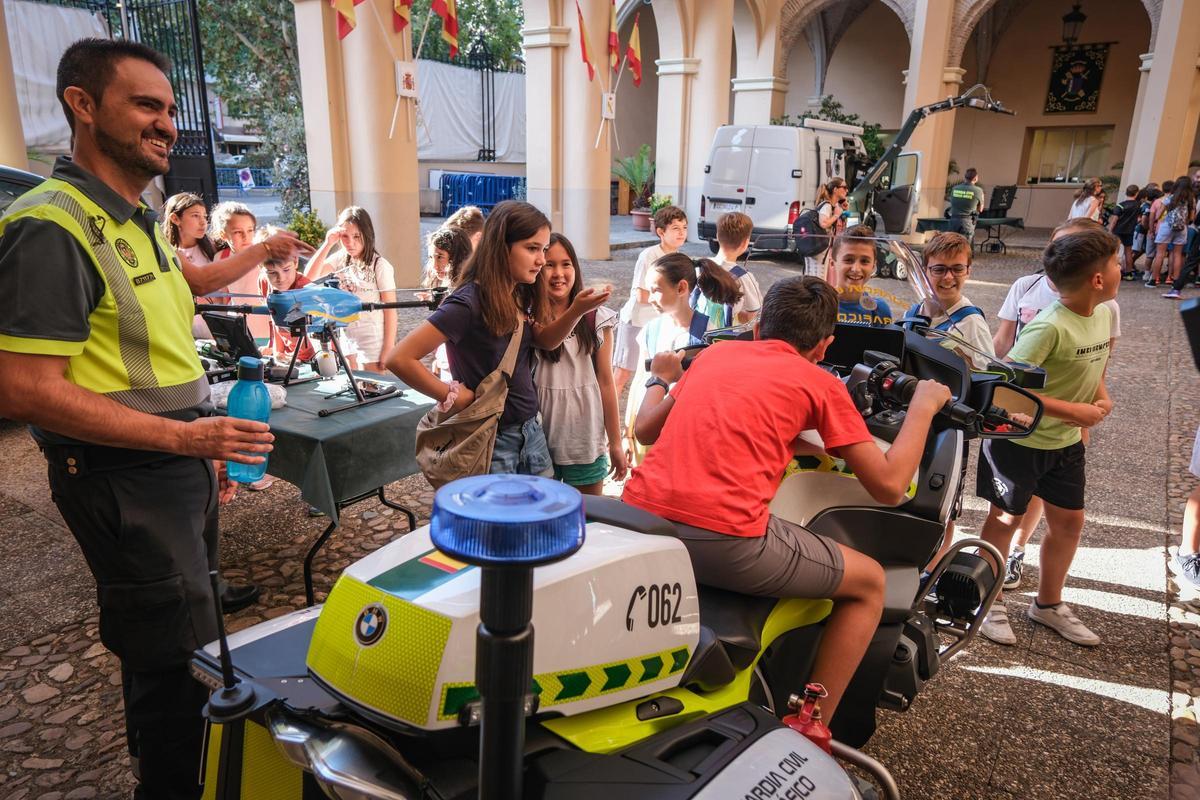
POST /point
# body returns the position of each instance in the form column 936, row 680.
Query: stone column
column 709, row 102
column 1164, row 125
column 324, row 108
column 586, row 168
column 757, row 101
column 383, row 171
column 544, row 48
column 12, row 135
column 674, row 107
column 1147, row 60
column 928, row 80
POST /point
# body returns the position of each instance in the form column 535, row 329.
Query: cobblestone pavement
column 1043, row 719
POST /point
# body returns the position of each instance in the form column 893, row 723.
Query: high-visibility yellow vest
column 140, row 350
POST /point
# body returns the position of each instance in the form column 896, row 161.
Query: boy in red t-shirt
column 722, row 438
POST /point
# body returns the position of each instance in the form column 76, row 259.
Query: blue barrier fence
column 227, row 177
column 485, row 191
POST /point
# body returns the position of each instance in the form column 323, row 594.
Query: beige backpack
column 452, row 446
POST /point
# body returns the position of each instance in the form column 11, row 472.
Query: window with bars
column 1067, row 155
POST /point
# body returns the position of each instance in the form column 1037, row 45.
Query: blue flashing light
column 507, row 520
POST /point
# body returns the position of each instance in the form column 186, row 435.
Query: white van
column 773, row 172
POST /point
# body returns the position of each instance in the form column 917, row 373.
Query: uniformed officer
column 966, row 202
column 96, row 354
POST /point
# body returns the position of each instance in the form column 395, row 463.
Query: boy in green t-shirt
column 1070, row 340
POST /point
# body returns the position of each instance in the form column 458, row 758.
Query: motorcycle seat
column 612, row 511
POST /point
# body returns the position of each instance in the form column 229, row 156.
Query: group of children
column 1159, row 223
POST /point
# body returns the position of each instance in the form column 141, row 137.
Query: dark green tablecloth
column 348, row 454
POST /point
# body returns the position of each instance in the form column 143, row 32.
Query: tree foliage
column 250, row 50
column 499, row 22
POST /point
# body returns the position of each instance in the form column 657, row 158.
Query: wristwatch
column 657, row 381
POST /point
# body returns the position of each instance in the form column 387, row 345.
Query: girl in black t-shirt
column 495, row 290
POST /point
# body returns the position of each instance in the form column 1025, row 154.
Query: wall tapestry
column 1075, row 75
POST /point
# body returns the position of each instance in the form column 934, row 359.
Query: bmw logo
column 370, row 625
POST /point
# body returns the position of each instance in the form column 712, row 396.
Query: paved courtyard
column 1044, row 719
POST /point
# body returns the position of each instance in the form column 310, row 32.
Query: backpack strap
column 698, row 326
column 738, row 271
column 959, row 316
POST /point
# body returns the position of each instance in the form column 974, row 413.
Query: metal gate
column 172, row 28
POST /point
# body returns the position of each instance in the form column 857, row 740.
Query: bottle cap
column 250, row 368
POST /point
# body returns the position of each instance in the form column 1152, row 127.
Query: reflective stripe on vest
column 158, row 370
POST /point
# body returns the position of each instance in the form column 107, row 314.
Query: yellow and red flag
column 447, row 10
column 583, row 45
column 401, row 14
column 633, row 52
column 346, row 18
column 614, row 43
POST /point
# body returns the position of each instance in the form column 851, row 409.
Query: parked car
column 14, row 183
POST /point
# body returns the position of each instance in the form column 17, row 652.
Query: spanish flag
column 583, row 45
column 633, row 52
column 449, row 13
column 346, row 18
column 614, row 44
column 401, row 14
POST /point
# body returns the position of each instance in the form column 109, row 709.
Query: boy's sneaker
column 996, row 626
column 1014, row 569
column 260, row 485
column 1063, row 620
column 1151, row 283
column 1172, row 295
column 1187, row 567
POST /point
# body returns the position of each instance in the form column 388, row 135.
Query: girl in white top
column 234, row 224
column 361, row 270
column 1087, row 201
column 574, row 383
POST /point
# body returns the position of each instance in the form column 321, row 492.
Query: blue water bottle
column 249, row 399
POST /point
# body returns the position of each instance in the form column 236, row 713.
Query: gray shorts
column 788, row 561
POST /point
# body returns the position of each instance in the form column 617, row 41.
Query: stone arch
column 797, row 14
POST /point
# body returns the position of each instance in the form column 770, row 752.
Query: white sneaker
column 264, row 483
column 996, row 626
column 1063, row 620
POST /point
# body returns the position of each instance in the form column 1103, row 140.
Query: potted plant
column 637, row 171
column 659, row 201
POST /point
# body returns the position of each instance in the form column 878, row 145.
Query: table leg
column 309, row 597
column 408, row 512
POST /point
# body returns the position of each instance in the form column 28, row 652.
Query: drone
column 319, row 310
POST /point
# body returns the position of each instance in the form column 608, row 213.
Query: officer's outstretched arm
column 282, row 246
column 36, row 391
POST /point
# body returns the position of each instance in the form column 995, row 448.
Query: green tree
column 499, row 22
column 250, row 50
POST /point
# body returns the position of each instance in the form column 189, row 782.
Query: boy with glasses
column 946, row 262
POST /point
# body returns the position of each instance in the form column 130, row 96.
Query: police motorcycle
column 421, row 677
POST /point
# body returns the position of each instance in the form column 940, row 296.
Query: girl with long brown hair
column 495, row 292
column 575, row 387
column 360, row 269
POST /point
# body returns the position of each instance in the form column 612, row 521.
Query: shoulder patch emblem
column 125, row 251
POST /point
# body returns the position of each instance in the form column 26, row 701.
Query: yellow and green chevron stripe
column 580, row 683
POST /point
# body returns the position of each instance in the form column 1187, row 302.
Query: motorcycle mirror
column 1008, row 412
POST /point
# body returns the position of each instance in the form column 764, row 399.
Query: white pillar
column 709, row 103
column 1164, row 126
column 586, row 168
column 671, row 144
column 324, row 108
column 383, row 171
column 928, row 80
column 1147, row 60
column 544, row 48
column 12, row 135
column 756, row 101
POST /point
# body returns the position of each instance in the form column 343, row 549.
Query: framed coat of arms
column 1076, row 72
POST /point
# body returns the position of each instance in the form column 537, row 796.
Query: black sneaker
column 238, row 596
column 1014, row 569
column 1188, row 568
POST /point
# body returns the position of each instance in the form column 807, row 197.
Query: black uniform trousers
column 147, row 525
column 1191, row 264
